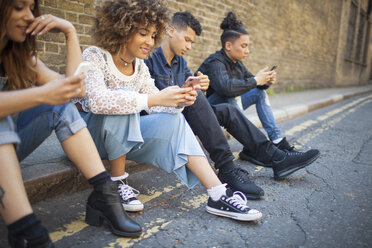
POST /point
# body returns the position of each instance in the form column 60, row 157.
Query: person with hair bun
column 231, row 82
column 119, row 87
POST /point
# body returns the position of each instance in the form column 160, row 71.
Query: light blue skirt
column 163, row 140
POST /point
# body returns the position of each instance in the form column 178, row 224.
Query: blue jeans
column 260, row 98
column 33, row 126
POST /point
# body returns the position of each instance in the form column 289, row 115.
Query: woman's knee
column 68, row 110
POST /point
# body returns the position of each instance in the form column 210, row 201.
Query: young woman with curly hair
column 33, row 104
column 119, row 87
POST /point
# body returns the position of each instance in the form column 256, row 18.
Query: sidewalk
column 47, row 172
column 290, row 105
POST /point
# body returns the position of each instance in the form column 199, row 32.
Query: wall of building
column 306, row 39
column 353, row 61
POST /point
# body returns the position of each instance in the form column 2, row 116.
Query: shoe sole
column 254, row 161
column 132, row 208
column 236, row 216
column 300, row 166
column 95, row 219
column 249, row 196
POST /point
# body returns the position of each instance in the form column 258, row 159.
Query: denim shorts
column 8, row 134
column 33, row 126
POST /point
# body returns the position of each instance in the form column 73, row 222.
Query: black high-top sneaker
column 292, row 162
column 238, row 180
column 285, row 146
column 234, row 207
column 245, row 155
column 104, row 205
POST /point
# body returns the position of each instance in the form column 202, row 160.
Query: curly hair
column 232, row 29
column 16, row 57
column 185, row 19
column 118, row 20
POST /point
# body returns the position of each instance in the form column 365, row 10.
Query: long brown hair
column 16, row 57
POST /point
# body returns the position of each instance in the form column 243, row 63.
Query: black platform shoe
column 104, row 205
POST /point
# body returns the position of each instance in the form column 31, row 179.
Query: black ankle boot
column 43, row 241
column 104, row 205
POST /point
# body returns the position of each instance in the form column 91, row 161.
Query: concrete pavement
column 47, row 172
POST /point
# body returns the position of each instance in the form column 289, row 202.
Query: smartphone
column 191, row 82
column 83, row 68
column 274, row 67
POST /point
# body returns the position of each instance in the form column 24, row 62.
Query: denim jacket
column 227, row 78
column 164, row 74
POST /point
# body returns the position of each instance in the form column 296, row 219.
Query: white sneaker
column 234, row 207
column 129, row 197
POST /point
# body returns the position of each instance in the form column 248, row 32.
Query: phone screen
column 191, row 81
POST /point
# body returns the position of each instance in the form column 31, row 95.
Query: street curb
column 48, row 180
column 293, row 111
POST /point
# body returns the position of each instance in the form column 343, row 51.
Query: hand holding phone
column 83, row 68
column 191, row 82
column 272, row 69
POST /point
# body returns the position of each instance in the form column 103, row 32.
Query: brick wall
column 52, row 46
column 300, row 36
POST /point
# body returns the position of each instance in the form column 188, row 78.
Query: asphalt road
column 327, row 204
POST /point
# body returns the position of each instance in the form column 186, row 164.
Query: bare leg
column 14, row 203
column 202, row 170
column 82, row 151
column 117, row 166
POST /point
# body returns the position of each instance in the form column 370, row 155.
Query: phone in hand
column 83, row 68
column 265, row 86
column 191, row 82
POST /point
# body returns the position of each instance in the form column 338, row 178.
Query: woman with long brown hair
column 33, row 104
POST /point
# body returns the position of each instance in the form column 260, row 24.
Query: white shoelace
column 127, row 192
column 239, row 200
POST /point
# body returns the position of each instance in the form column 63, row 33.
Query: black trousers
column 206, row 121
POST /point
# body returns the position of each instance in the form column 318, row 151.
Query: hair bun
column 231, row 22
